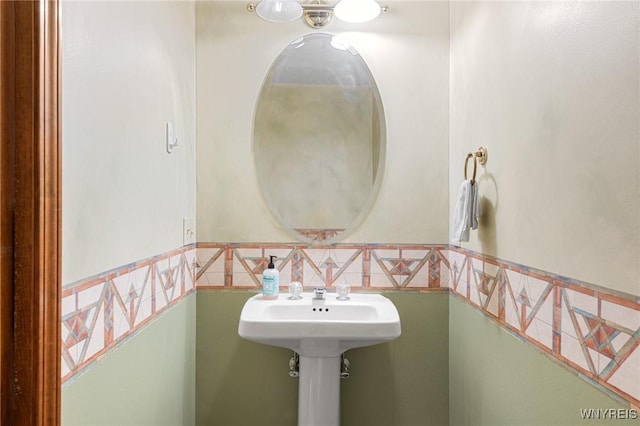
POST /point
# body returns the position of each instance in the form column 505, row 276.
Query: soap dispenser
column 270, row 281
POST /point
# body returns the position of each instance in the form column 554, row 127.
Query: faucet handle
column 295, row 288
column 343, row 290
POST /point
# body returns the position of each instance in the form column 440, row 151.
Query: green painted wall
column 148, row 380
column 238, row 382
column 496, row 379
column 451, row 366
column 403, row 383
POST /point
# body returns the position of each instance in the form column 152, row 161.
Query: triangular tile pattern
column 523, row 298
column 401, row 267
column 605, row 344
column 361, row 266
column 76, row 323
column 600, row 335
column 589, row 329
column 438, row 266
column 329, row 263
column 210, row 266
column 458, row 273
column 583, row 326
column 100, row 312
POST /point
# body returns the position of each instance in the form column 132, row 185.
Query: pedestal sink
column 319, row 330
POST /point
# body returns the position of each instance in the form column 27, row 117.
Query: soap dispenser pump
column 270, row 281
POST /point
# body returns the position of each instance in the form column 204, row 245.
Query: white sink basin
column 320, row 328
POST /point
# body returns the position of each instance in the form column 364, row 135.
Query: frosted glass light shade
column 279, row 10
column 357, row 11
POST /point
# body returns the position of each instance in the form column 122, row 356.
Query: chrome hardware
column 295, row 288
column 319, row 293
column 344, row 367
column 343, row 290
column 294, row 365
column 317, row 13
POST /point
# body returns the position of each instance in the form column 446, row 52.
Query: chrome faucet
column 319, row 293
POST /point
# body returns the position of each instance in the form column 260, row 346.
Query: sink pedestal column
column 319, row 391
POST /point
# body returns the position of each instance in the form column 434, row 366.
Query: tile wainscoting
column 102, row 311
column 592, row 330
column 363, row 266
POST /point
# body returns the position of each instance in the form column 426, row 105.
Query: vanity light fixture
column 279, row 11
column 357, row 11
column 317, row 13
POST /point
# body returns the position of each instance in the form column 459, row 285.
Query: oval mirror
column 319, row 139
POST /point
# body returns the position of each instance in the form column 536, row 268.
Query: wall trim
column 103, row 311
column 30, row 279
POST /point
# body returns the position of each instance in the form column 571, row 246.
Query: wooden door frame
column 30, row 283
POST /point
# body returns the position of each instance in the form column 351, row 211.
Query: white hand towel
column 461, row 220
column 474, row 211
column 466, row 212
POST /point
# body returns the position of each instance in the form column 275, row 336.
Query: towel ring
column 480, row 156
column 475, row 166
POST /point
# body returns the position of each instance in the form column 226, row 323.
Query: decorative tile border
column 363, row 266
column 100, row 312
column 592, row 330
